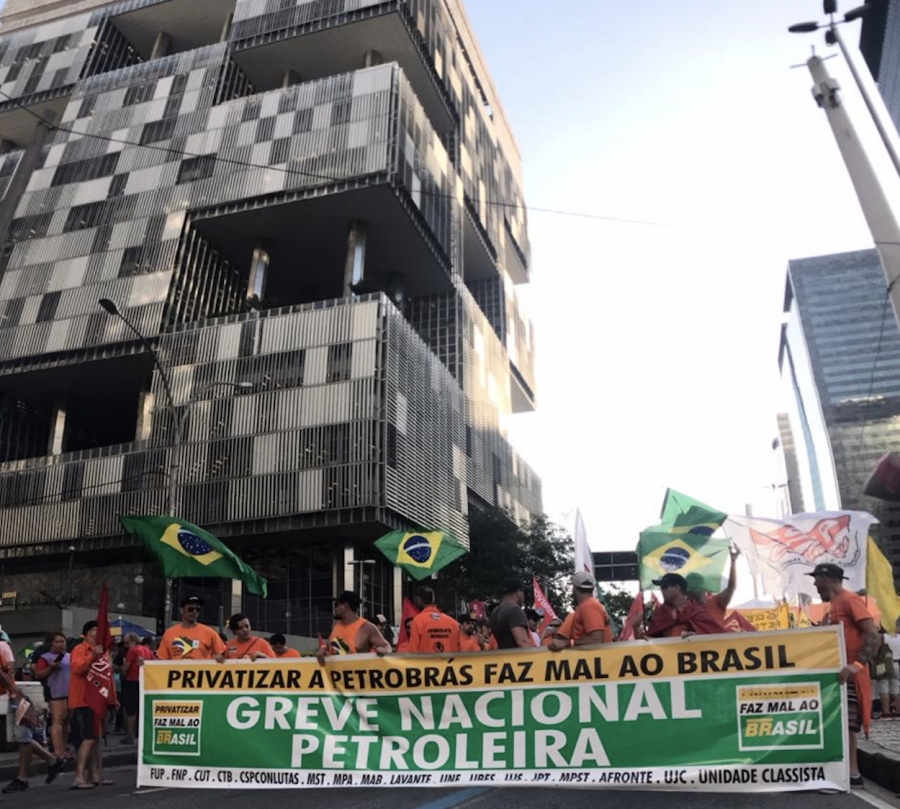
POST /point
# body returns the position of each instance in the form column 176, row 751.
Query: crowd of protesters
column 74, row 730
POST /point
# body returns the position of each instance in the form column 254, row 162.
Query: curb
column 111, row 758
column 880, row 765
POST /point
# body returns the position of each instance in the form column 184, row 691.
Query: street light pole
column 878, row 194
column 363, row 564
column 178, row 429
column 178, row 417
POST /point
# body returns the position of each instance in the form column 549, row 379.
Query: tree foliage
column 500, row 550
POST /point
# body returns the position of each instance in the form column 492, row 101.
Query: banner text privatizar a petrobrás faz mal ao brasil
column 748, row 712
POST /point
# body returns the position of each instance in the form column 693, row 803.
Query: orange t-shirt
column 590, row 616
column 80, row 660
column 236, row 649
column 199, row 642
column 468, row 643
column 566, row 629
column 288, row 653
column 850, row 610
column 342, row 640
column 433, row 632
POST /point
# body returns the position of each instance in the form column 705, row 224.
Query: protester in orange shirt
column 432, row 631
column 244, row 645
column 715, row 604
column 468, row 641
column 279, row 645
column 352, row 634
column 861, row 641
column 86, row 724
column 590, row 623
column 191, row 640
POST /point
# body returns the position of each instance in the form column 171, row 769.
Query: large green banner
column 754, row 711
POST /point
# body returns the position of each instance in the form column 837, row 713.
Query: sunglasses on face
column 192, row 609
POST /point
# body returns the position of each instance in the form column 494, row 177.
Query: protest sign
column 727, row 712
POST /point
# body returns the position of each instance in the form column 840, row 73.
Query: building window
column 47, row 309
column 468, row 441
column 140, row 93
column 390, row 451
column 339, row 361
column 158, row 130
column 133, row 262
column 84, row 216
column 196, row 168
column 84, row 170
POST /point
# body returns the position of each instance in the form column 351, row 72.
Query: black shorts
column 131, row 697
column 83, row 723
column 854, row 711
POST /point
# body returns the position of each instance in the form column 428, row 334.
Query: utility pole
column 878, row 194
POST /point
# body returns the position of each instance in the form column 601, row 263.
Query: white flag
column 584, row 559
column 782, row 552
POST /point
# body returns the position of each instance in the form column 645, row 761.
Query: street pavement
column 879, row 755
column 879, row 762
column 124, row 791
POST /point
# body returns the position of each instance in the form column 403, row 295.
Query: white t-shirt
column 894, row 642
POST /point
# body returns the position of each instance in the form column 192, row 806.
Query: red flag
column 735, row 622
column 541, row 602
column 478, row 609
column 636, row 610
column 104, row 637
column 409, row 612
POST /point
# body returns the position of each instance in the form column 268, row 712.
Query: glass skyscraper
column 840, row 360
column 313, row 213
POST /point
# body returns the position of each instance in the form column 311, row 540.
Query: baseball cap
column 192, row 601
column 464, row 618
column 349, row 598
column 583, row 581
column 672, row 580
column 380, row 619
column 829, row 571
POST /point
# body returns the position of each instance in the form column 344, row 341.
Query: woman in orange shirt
column 244, row 645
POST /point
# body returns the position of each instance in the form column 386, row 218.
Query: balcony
column 189, row 24
column 314, row 44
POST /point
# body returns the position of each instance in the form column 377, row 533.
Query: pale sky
column 657, row 345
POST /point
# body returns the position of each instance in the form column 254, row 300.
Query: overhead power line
column 324, row 177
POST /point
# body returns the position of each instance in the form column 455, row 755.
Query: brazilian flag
column 420, row 553
column 698, row 558
column 685, row 515
column 186, row 551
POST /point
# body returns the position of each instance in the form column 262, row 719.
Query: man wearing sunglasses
column 352, row 634
column 191, row 640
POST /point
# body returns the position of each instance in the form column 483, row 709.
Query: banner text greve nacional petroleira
column 755, row 711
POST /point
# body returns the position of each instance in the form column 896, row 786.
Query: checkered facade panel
column 352, row 406
column 120, row 177
column 488, row 176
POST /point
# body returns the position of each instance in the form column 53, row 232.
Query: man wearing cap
column 191, row 640
column 860, row 641
column 678, row 616
column 508, row 622
column 590, row 623
column 352, row 634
